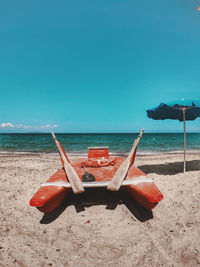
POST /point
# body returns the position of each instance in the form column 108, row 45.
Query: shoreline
column 122, row 154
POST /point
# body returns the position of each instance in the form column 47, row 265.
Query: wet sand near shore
column 100, row 228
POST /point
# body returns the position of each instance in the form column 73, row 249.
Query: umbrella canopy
column 174, row 110
column 181, row 110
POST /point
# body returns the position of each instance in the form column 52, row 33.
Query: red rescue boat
column 100, row 166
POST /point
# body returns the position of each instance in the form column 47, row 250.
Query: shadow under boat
column 99, row 196
column 170, row 168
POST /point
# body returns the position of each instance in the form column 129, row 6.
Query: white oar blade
column 72, row 176
column 121, row 173
column 118, row 178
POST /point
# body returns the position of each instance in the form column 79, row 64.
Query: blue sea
column 118, row 143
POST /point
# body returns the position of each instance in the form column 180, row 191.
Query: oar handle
column 141, row 133
column 54, row 137
column 136, row 142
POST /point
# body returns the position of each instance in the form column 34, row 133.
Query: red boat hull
column 48, row 198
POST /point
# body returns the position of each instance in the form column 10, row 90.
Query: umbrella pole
column 184, row 166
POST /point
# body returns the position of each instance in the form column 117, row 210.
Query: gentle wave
column 119, row 144
column 84, row 155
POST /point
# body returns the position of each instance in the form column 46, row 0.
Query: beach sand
column 101, row 228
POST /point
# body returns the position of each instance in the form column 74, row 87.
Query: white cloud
column 46, row 126
column 6, row 125
column 22, row 126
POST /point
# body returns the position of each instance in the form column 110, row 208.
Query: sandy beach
column 102, row 75
column 100, row 228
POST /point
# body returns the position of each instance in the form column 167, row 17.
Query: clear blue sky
column 96, row 66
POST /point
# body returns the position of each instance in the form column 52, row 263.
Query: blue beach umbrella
column 182, row 110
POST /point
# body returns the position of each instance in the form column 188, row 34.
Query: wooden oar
column 72, row 176
column 123, row 169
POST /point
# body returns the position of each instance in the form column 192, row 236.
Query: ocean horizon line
column 98, row 132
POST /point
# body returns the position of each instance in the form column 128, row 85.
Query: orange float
column 103, row 168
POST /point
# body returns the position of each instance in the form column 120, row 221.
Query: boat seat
column 98, row 152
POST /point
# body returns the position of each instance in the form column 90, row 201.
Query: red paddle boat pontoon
column 97, row 170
